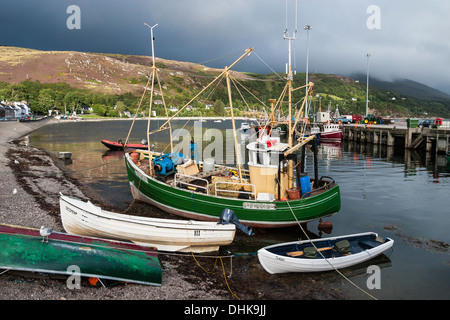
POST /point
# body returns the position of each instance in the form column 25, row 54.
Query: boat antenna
column 290, row 38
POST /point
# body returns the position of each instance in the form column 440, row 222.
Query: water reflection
column 402, row 194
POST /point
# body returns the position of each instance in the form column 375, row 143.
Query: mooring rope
column 206, row 271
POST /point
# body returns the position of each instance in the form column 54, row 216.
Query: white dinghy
column 326, row 253
column 86, row 219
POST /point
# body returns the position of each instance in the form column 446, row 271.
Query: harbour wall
column 427, row 139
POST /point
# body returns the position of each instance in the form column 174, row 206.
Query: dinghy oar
column 299, row 253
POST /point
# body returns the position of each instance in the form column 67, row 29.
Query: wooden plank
column 299, row 253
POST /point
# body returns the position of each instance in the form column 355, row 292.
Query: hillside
column 102, row 73
column 58, row 79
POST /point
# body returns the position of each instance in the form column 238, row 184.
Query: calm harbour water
column 398, row 194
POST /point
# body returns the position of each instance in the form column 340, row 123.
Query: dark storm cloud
column 412, row 41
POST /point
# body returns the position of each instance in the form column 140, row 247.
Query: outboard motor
column 227, row 216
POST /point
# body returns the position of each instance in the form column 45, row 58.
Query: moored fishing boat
column 25, row 249
column 447, row 156
column 323, row 254
column 331, row 132
column 273, row 191
column 203, row 196
column 84, row 218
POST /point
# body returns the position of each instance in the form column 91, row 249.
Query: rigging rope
column 222, row 57
column 268, row 66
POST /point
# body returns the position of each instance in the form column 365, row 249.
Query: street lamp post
column 307, row 28
column 367, row 90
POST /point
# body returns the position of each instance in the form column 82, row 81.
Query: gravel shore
column 32, row 208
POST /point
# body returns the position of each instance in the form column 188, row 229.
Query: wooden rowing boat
column 322, row 254
column 84, row 218
column 112, row 145
column 24, row 249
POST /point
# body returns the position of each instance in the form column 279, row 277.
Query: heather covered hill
column 113, row 83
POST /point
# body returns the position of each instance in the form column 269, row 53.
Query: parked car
column 427, row 123
column 343, row 120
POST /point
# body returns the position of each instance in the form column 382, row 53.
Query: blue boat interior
column 329, row 248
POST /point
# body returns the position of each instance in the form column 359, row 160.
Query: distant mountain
column 406, row 87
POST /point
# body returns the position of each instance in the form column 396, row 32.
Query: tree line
column 329, row 92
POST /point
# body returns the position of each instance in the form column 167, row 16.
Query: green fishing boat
column 26, row 249
column 175, row 196
column 447, row 156
column 271, row 190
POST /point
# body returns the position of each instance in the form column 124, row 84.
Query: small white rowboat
column 328, row 253
column 86, row 219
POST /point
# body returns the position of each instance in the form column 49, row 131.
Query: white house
column 15, row 109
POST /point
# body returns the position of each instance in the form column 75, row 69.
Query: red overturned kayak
column 119, row 145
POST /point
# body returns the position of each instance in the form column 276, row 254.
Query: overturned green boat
column 26, row 250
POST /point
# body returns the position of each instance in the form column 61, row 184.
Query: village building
column 13, row 110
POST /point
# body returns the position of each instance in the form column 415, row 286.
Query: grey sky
column 413, row 40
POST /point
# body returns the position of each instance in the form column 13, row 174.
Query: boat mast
column 236, row 146
column 290, row 78
column 153, row 77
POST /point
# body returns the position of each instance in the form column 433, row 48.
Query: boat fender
column 228, row 216
column 93, row 281
column 135, row 157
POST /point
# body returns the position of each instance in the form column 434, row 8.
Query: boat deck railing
column 185, row 180
column 239, row 185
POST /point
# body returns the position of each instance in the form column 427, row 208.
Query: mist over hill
column 406, row 87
